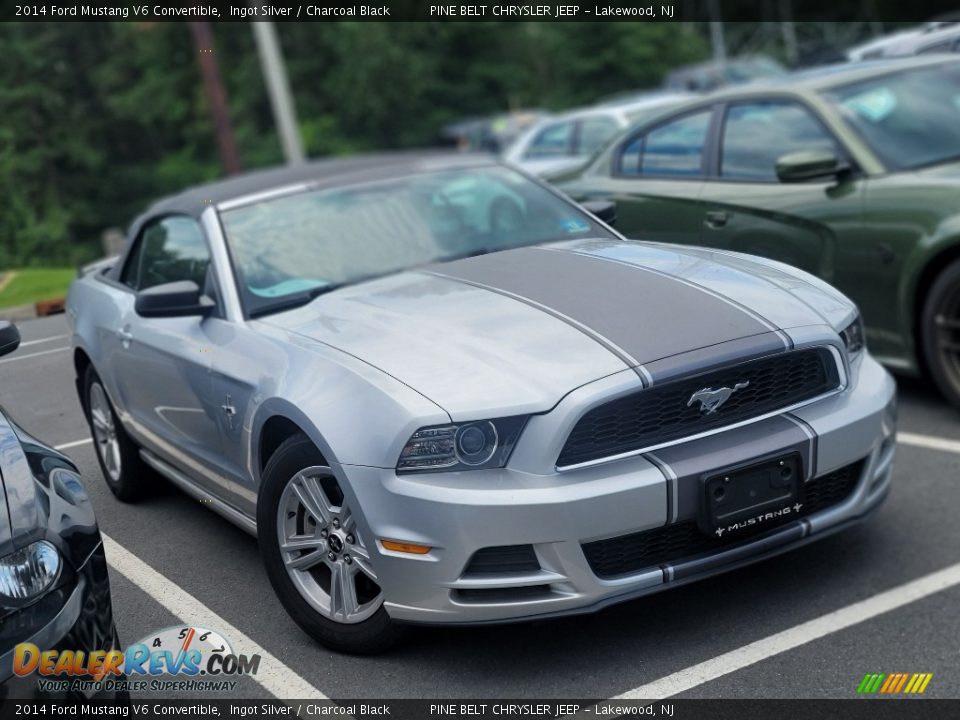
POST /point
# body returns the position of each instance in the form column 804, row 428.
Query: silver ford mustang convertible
column 439, row 392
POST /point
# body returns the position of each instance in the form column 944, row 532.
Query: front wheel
column 315, row 556
column 940, row 329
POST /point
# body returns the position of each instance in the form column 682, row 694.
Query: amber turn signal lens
column 405, row 547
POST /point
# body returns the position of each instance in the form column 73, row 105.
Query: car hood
column 514, row 331
column 946, row 171
column 24, row 507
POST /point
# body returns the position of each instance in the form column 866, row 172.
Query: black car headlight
column 472, row 445
column 853, row 336
column 28, row 573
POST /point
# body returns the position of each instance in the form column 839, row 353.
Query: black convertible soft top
column 330, row 172
column 358, row 168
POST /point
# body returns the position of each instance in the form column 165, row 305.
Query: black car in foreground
column 54, row 590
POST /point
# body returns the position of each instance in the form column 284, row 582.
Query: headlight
column 464, row 446
column 853, row 336
column 27, row 573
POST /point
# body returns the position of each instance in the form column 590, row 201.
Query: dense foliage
column 100, row 118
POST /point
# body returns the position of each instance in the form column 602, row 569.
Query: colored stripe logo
column 894, row 683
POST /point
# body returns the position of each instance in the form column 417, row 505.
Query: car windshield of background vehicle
column 289, row 249
column 910, row 119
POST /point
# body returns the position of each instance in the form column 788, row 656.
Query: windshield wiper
column 295, row 301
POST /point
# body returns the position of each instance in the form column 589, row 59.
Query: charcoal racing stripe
column 648, row 315
column 812, row 449
column 619, row 352
column 784, row 338
column 671, row 479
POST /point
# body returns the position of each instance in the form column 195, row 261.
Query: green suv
column 849, row 172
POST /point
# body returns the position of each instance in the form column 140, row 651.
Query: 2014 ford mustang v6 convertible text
column 439, row 392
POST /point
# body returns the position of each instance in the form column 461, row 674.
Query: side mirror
column 604, row 210
column 808, row 165
column 176, row 299
column 9, row 337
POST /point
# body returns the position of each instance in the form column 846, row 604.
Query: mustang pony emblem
column 711, row 400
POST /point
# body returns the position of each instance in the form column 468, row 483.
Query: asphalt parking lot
column 173, row 561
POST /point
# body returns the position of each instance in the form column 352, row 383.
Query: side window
column 755, row 134
column 594, row 132
column 671, row 150
column 552, row 141
column 170, row 249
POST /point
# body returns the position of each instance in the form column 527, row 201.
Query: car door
column 162, row 365
column 655, row 180
column 748, row 209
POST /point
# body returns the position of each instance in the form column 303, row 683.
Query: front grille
column 685, row 540
column 503, row 559
column 665, row 412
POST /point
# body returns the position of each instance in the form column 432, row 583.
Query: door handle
column 125, row 337
column 716, row 219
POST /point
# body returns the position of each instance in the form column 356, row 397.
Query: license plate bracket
column 739, row 498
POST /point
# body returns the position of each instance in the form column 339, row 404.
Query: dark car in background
column 850, row 172
column 54, row 590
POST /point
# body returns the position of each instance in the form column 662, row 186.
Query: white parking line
column 75, row 443
column 796, row 636
column 31, row 355
column 278, row 679
column 929, row 441
column 42, row 340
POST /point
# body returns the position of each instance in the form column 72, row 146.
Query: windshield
column 287, row 250
column 909, row 119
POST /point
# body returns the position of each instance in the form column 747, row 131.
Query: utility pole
column 278, row 87
column 216, row 96
column 789, row 33
column 716, row 32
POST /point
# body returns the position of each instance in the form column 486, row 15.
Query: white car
column 926, row 38
column 563, row 142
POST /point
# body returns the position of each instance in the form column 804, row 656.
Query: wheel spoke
column 313, row 499
column 358, row 551
column 99, row 419
column 114, row 448
column 343, row 592
column 302, row 542
column 306, row 561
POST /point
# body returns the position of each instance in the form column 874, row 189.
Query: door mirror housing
column 177, row 299
column 808, row 165
column 9, row 337
column 604, row 210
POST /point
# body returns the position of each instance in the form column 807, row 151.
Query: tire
column 346, row 616
column 940, row 333
column 119, row 457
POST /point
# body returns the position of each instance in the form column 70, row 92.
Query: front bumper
column 75, row 616
column 557, row 512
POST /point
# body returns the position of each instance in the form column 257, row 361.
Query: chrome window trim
column 841, row 387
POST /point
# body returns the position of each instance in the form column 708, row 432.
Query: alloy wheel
column 322, row 550
column 105, row 431
column 946, row 322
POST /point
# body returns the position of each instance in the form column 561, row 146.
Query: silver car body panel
column 549, row 331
